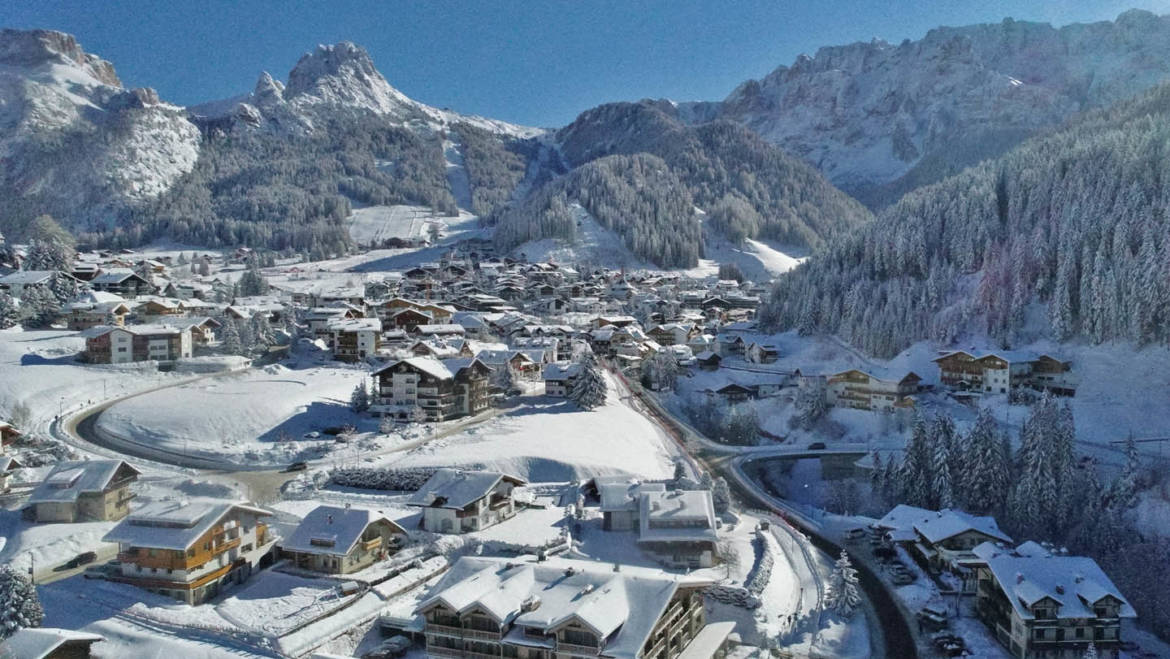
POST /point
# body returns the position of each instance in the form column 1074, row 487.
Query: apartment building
column 866, row 391
column 164, row 344
column 442, row 389
column 461, row 500
column 1002, row 371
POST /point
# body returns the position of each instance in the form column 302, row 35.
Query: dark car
column 297, row 466
column 84, row 558
column 816, row 446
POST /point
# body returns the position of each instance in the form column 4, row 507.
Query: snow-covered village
column 321, row 371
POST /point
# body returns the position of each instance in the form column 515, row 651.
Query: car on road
column 297, row 466
column 84, row 558
column 312, row 434
column 816, row 446
column 853, row 535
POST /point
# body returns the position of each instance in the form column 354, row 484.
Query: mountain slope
column 74, row 142
column 1065, row 236
column 881, row 119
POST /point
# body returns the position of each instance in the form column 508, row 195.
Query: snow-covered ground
column 374, row 224
column 257, row 415
column 550, row 439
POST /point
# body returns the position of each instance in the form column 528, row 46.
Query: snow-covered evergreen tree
column 252, row 282
column 359, row 400
column 915, row 470
column 38, row 306
column 1091, row 651
column 660, row 371
column 812, row 404
column 9, row 314
column 721, row 495
column 942, row 493
column 262, row 331
column 1123, row 491
column 19, row 605
column 987, row 468
column 589, row 389
column 1039, row 504
column 230, row 341
column 844, row 593
column 741, row 425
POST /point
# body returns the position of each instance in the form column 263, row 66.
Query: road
column 895, row 630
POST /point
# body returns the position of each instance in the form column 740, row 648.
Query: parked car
column 297, row 466
column 853, row 535
column 816, row 446
column 933, row 615
column 312, row 434
column 84, row 558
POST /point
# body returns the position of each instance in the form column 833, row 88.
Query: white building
column 559, row 378
column 458, row 500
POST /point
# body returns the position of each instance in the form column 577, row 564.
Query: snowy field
column 257, row 415
column 374, row 224
column 553, row 440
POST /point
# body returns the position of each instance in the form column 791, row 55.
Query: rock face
column 880, row 119
column 73, row 141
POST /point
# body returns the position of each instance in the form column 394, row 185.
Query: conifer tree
column 19, row 605
column 844, row 593
column 987, row 467
column 589, row 389
column 359, row 400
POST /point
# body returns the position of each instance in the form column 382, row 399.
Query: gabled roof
column 175, row 525
column 948, row 523
column 621, row 607
column 39, row 643
column 27, row 277
column 116, row 276
column 1074, row 583
column 457, row 488
column 559, row 372
column 427, row 365
column 694, row 507
column 333, row 530
column 72, row 478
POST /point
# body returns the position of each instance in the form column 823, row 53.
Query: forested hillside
column 1075, row 221
column 638, row 197
column 750, row 188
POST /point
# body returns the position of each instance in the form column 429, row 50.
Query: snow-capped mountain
column 73, row 141
column 880, row 119
column 335, row 76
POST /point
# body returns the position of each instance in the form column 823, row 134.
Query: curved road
column 895, row 630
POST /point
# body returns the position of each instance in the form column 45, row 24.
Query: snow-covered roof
column 1076, row 583
column 1010, row 356
column 949, row 523
column 457, row 488
column 175, row 524
column 40, row 643
column 153, row 329
column 560, row 372
column 114, row 276
column 333, row 530
column 354, row 325
column 26, row 277
column 440, row 328
column 676, row 515
column 428, row 365
column 72, row 478
column 621, row 607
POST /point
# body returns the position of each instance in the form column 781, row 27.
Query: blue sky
column 538, row 63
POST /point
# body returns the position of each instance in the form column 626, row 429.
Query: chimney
column 329, row 518
column 1059, row 590
column 347, row 505
column 1019, row 578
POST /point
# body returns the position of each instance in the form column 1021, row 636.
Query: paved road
column 895, row 630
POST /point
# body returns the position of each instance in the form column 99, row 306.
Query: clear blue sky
column 538, row 63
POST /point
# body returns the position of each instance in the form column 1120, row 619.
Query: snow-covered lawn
column 273, row 603
column 259, row 415
column 25, row 544
column 373, row 224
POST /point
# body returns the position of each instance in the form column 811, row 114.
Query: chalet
column 341, row 540
column 672, row 334
column 942, row 539
column 77, row 491
column 491, row 607
column 48, row 643
column 616, row 321
column 155, row 306
column 8, row 466
column 730, row 344
column 189, row 549
column 94, row 309
column 735, row 393
column 677, row 527
column 354, row 339
column 17, row 283
column 407, row 319
column 708, row 361
column 1044, row 605
column 440, row 349
column 443, row 390
column 202, row 328
column 864, row 391
column 559, row 378
column 84, row 270
column 1001, row 372
column 124, row 282
column 318, row 319
column 8, row 435
column 458, row 500
column 761, row 353
column 516, row 360
column 164, row 344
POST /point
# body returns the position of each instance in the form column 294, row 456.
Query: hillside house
column 858, row 389
column 84, row 491
column 190, row 550
column 8, row 467
column 459, row 501
column 124, row 282
column 1001, row 372
column 939, row 539
column 341, row 540
column 559, row 378
column 761, row 353
column 354, row 339
column 490, row 607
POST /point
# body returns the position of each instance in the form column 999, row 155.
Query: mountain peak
column 343, row 74
column 30, row 48
column 267, row 90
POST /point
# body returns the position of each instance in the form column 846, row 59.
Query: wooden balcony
column 439, row 651
column 444, row 630
column 224, row 546
column 572, row 648
column 481, row 634
column 372, row 545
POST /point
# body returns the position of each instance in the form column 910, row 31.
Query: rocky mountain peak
column 31, row 48
column 267, row 90
column 343, row 73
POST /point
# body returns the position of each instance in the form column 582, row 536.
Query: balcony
column 439, row 651
column 372, row 545
column 481, row 634
column 224, row 546
column 573, row 648
column 444, row 630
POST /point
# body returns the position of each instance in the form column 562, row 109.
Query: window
column 122, row 349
